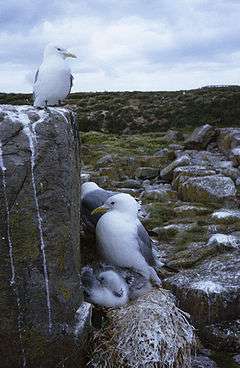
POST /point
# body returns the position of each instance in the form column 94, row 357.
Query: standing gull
column 122, row 239
column 53, row 80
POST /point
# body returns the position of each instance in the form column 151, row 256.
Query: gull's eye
column 112, row 203
column 58, row 48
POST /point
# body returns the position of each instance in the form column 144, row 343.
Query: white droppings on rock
column 224, row 240
column 236, row 151
column 21, row 113
column 207, row 286
column 83, row 317
column 2, row 167
column 11, row 257
column 226, row 216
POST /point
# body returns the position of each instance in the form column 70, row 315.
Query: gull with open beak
column 122, row 239
column 53, row 80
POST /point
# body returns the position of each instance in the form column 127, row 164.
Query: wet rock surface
column 193, row 216
column 39, row 237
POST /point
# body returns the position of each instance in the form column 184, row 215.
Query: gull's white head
column 55, row 50
column 88, row 187
column 123, row 203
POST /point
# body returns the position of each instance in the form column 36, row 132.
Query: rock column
column 39, row 237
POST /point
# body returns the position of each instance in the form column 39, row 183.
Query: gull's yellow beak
column 99, row 210
column 69, row 54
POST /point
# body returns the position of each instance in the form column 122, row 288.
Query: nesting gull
column 106, row 288
column 110, row 286
column 53, row 80
column 121, row 237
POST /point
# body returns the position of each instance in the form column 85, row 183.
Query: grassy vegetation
column 116, row 112
column 96, row 144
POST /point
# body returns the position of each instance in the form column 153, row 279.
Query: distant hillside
column 131, row 112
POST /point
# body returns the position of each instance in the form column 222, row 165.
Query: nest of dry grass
column 150, row 332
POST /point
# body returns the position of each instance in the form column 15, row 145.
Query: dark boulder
column 39, row 236
column 201, row 361
column 201, row 137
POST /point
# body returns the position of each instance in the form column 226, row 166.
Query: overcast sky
column 123, row 44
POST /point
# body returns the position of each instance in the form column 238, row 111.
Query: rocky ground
column 189, row 183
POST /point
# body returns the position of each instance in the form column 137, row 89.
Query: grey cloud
column 171, row 34
column 19, row 16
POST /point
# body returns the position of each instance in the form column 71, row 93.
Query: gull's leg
column 46, row 108
column 46, row 105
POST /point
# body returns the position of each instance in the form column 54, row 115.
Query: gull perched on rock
column 121, row 237
column 53, row 80
column 106, row 288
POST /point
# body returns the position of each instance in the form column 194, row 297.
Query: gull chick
column 122, row 239
column 106, row 289
column 53, row 80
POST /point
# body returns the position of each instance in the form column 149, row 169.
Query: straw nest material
column 147, row 333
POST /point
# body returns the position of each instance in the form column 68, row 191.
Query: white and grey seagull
column 53, row 80
column 121, row 237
